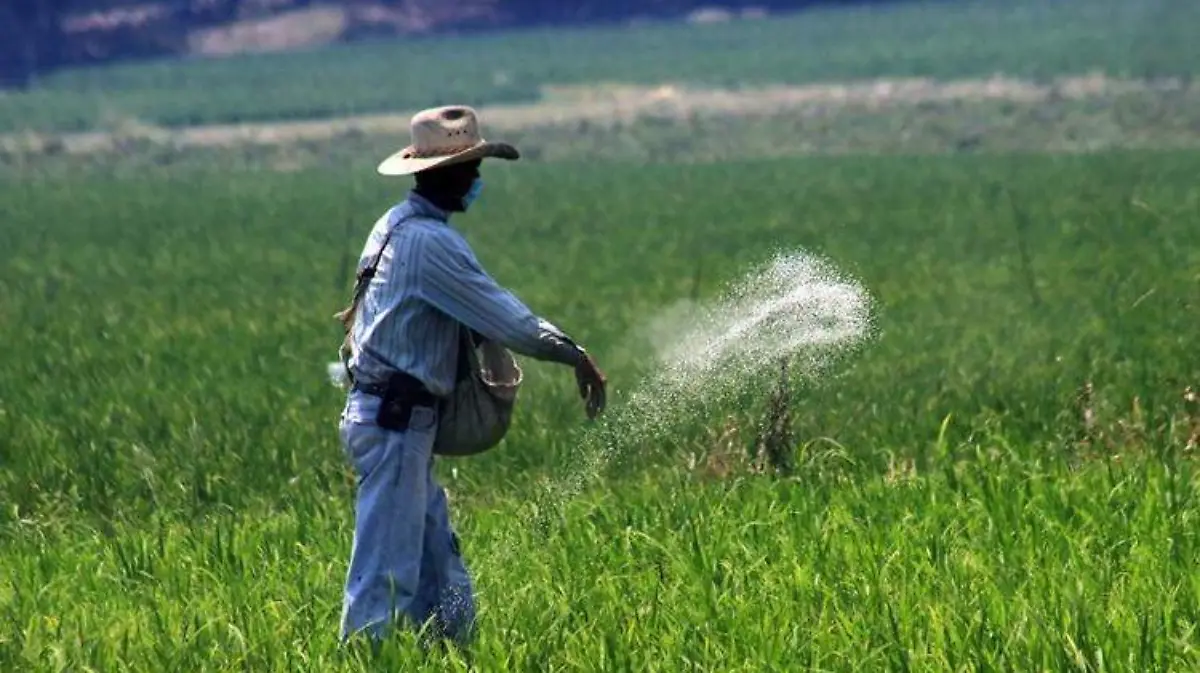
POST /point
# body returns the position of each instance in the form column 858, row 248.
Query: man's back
column 396, row 328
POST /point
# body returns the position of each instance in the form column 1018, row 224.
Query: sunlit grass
column 175, row 498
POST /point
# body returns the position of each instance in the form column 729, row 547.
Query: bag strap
column 466, row 363
column 363, row 278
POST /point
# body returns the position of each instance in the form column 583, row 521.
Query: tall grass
column 174, row 496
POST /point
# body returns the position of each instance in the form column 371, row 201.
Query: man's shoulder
column 429, row 231
column 424, row 229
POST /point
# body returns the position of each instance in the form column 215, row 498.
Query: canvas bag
column 477, row 413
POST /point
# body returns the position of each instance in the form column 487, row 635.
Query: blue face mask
column 472, row 193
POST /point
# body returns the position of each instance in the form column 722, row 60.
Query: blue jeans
column 405, row 563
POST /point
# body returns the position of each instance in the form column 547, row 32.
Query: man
column 405, row 561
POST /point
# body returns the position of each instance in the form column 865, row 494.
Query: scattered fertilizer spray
column 796, row 307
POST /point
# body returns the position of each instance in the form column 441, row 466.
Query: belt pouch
column 401, row 394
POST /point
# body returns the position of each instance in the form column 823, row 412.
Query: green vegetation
column 1034, row 39
column 175, row 496
column 1002, row 478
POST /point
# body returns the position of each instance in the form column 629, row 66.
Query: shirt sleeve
column 452, row 280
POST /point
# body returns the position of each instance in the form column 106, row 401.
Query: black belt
column 398, row 396
column 375, row 389
column 400, row 386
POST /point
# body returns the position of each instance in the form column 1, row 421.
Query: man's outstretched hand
column 591, row 383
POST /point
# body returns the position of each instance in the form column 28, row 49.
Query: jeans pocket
column 364, row 445
column 421, row 432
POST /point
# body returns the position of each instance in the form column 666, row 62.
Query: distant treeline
column 39, row 36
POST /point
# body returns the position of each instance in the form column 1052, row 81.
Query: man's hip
column 396, row 400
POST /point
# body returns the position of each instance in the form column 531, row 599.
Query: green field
column 175, row 495
column 1002, row 477
column 1028, row 38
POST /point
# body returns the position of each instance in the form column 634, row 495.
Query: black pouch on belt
column 402, row 393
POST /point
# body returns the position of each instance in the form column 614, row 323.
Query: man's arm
column 452, row 280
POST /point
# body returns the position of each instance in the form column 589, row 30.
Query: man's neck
column 448, row 204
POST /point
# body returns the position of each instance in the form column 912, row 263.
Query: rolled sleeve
column 452, row 280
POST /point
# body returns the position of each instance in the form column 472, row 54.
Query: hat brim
column 405, row 163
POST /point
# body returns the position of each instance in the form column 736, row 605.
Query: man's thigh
column 390, row 520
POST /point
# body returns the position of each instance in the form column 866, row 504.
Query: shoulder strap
column 364, row 276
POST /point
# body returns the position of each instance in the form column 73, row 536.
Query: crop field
column 1002, row 476
column 175, row 495
column 1031, row 39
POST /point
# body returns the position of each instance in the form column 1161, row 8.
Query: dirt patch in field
column 617, row 104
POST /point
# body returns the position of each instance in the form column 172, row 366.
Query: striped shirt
column 427, row 283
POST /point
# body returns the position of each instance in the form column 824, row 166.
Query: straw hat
column 441, row 136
